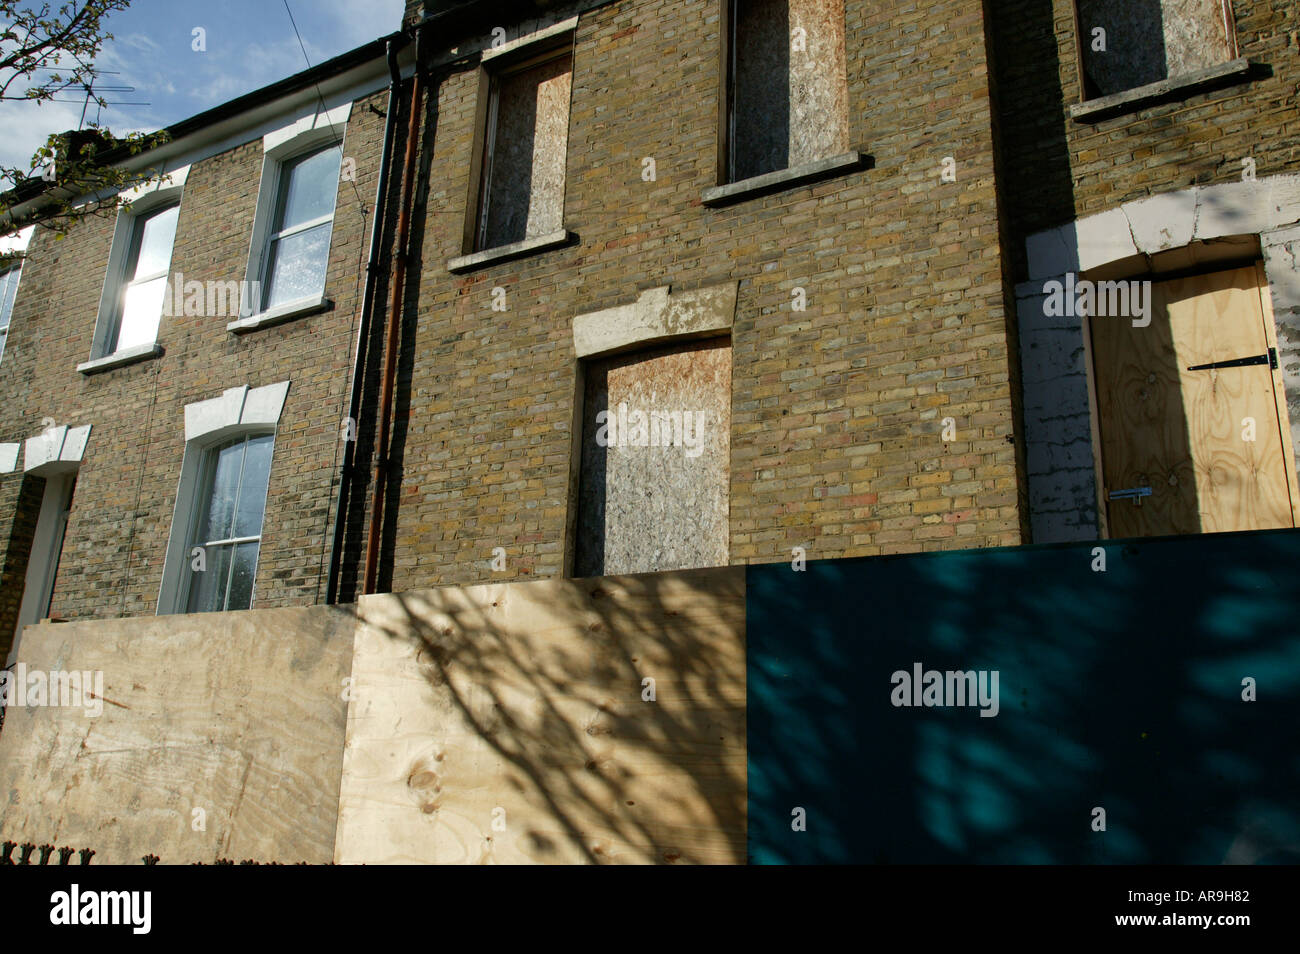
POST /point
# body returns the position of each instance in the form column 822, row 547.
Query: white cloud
column 152, row 53
column 27, row 126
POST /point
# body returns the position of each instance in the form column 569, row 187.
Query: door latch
column 1134, row 494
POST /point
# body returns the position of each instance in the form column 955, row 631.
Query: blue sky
column 250, row 43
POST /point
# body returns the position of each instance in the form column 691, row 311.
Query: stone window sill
column 785, row 178
column 1175, row 87
column 281, row 314
column 120, row 359
column 503, row 253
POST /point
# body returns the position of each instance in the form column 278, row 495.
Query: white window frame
column 140, row 202
column 15, row 268
column 15, row 245
column 127, row 278
column 207, row 454
column 308, row 133
column 238, row 412
column 281, row 197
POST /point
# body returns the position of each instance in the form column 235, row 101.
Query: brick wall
column 126, row 489
column 837, row 411
column 20, row 504
column 1083, row 179
column 1058, row 169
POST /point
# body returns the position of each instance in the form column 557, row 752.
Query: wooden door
column 1177, row 401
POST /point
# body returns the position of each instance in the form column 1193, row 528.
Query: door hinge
column 1269, row 358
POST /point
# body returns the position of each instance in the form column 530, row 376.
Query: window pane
column 157, row 233
column 8, row 290
column 252, row 495
column 220, row 513
column 310, row 186
column 241, row 579
column 4, row 334
column 208, row 586
column 297, row 266
column 141, row 311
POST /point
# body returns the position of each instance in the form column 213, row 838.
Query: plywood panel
column 819, row 92
column 238, row 714
column 529, row 147
column 507, row 723
column 1150, row 40
column 1180, row 432
column 656, row 473
column 789, row 85
column 1196, row 35
column 1279, row 391
column 1119, row 689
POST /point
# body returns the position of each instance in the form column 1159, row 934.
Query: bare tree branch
column 68, row 174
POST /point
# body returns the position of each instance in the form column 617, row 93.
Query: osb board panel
column 654, row 489
column 1147, row 41
column 1196, row 35
column 790, row 85
column 819, row 93
column 238, row 714
column 506, row 723
column 526, row 191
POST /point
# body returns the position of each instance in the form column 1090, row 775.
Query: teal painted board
column 1118, row 690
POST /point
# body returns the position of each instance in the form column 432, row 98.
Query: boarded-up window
column 788, row 85
column 1126, row 45
column 655, row 459
column 526, row 141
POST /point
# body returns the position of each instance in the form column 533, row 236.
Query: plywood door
column 1183, row 433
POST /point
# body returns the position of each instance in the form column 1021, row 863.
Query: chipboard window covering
column 1124, row 46
column 525, row 149
column 787, row 85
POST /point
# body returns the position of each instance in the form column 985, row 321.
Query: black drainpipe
column 367, row 313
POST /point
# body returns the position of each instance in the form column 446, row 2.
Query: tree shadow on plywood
column 538, row 714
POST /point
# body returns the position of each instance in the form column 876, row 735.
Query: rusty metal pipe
column 397, row 297
column 344, row 497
